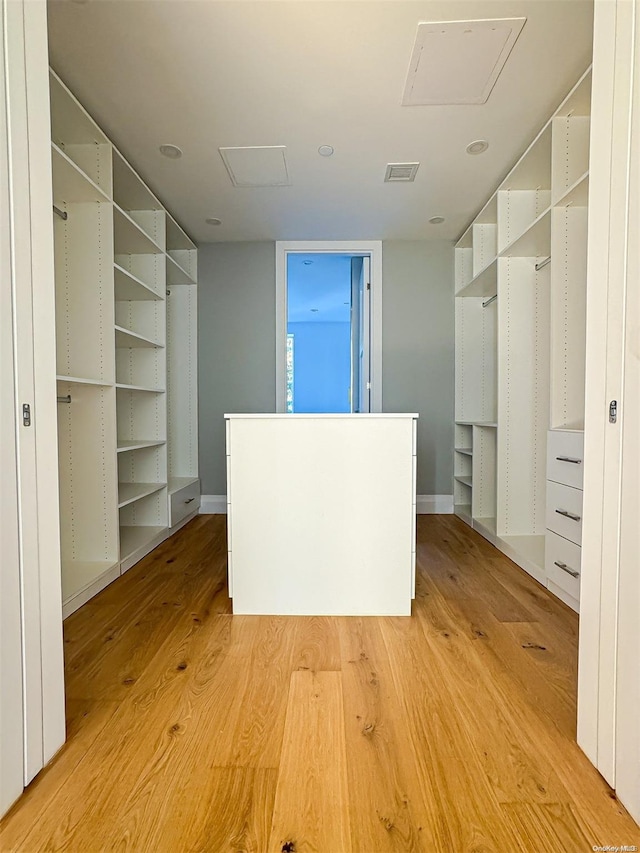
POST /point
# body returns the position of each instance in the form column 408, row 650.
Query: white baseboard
column 425, row 504
column 213, row 505
column 434, row 504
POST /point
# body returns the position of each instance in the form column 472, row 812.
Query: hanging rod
column 61, row 213
column 66, row 399
column 489, row 301
column 543, row 263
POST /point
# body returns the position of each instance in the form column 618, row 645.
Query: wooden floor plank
column 450, row 731
column 311, row 813
column 388, row 812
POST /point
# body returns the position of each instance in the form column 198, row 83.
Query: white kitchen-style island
column 321, row 513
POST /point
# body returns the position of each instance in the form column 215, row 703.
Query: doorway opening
column 328, row 328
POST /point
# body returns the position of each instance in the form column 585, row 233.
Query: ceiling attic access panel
column 459, row 62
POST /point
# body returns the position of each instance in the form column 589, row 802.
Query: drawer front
column 562, row 561
column 564, row 511
column 565, row 457
column 184, row 502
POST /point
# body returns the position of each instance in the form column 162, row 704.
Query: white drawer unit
column 564, row 511
column 184, row 502
column 565, row 457
column 562, row 564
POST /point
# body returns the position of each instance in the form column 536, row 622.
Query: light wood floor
column 192, row 730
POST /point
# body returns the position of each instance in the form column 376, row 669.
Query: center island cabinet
column 321, row 513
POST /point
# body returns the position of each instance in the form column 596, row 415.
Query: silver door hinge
column 613, row 411
column 368, row 285
column 26, row 414
column 368, row 386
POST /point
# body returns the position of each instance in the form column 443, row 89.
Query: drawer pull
column 568, row 514
column 569, row 459
column 565, row 568
column 189, row 500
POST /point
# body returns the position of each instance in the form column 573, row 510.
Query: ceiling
column 204, row 74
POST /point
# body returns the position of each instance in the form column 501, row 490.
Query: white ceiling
column 204, row 74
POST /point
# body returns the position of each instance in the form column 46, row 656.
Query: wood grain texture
column 193, row 730
column 311, row 813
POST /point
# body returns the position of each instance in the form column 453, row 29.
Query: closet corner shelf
column 124, row 387
column 71, row 183
column 177, row 483
column 129, row 288
column 534, row 242
column 466, row 450
column 129, row 493
column 79, row 380
column 463, row 511
column 129, row 238
column 577, row 195
column 465, row 480
column 134, row 538
column 126, row 339
column 482, row 284
column 176, row 274
column 133, row 444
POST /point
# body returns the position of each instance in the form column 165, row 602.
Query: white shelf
column 483, row 284
column 129, row 288
column 486, row 526
column 466, row 450
column 124, row 446
column 134, row 538
column 126, row 339
column 491, row 424
column 535, row 242
column 77, row 575
column 463, row 511
column 465, row 480
column 70, row 183
column 176, row 274
column 528, row 548
column 577, row 195
column 78, row 380
column 124, row 387
column 129, row 190
column 128, row 493
column 128, row 236
column 177, row 483
column 176, row 236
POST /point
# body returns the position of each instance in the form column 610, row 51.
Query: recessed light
column 326, row 150
column 314, row 310
column 171, row 151
column 479, row 146
column 307, row 263
column 212, row 220
column 436, row 220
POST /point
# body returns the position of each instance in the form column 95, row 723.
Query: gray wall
column 236, row 344
column 418, row 351
column 237, row 347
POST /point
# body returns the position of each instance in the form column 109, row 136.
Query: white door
column 11, row 706
column 360, row 334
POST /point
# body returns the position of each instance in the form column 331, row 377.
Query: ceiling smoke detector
column 404, row 172
column 325, row 150
column 436, row 220
column 213, row 220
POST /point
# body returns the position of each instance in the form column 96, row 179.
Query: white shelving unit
column 116, row 249
column 520, row 335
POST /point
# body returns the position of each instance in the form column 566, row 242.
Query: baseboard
column 434, row 504
column 425, row 504
column 213, row 505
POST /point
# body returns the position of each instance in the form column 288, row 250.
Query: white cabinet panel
column 184, row 502
column 562, row 563
column 565, row 457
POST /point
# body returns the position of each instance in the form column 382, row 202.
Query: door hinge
column 613, row 411
column 368, row 285
column 368, row 386
column 26, row 414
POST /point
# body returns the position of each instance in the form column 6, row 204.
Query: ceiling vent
column 458, row 62
column 405, row 172
column 257, row 165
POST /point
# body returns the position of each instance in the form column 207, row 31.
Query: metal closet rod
column 489, row 301
column 543, row 263
column 66, row 399
column 61, row 213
